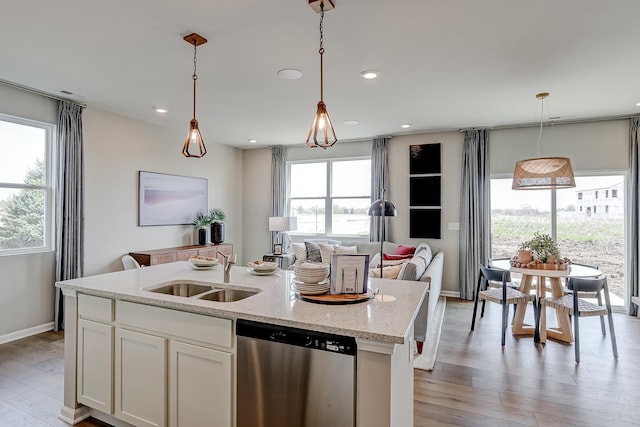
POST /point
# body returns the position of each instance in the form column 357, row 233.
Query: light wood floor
column 474, row 382
column 477, row 383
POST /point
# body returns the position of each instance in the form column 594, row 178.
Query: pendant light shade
column 321, row 133
column 194, row 144
column 543, row 173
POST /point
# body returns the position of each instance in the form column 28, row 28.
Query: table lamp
column 382, row 208
column 282, row 224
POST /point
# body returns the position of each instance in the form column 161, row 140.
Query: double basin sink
column 202, row 291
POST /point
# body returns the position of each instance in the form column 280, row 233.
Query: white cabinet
column 95, row 365
column 200, row 386
column 140, row 378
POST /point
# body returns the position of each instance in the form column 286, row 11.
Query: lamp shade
column 543, row 173
column 283, row 223
column 382, row 208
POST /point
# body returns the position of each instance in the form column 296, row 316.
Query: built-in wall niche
column 425, row 176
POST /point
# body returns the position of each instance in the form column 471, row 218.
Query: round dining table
column 554, row 277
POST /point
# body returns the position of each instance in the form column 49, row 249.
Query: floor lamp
column 382, row 208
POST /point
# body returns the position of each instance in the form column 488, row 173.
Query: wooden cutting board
column 335, row 298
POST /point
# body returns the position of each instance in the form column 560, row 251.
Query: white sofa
column 426, row 265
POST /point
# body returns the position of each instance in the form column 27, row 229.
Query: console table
column 181, row 253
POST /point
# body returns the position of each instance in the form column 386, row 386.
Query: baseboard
column 74, row 416
column 450, row 294
column 12, row 336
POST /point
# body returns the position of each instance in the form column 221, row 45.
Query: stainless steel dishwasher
column 294, row 378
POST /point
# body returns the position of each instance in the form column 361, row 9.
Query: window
column 331, row 197
column 614, row 193
column 26, row 185
column 587, row 232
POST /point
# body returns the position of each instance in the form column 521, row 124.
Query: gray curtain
column 69, row 201
column 634, row 210
column 278, row 184
column 379, row 181
column 475, row 209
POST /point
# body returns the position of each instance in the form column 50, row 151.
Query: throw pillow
column 327, row 250
column 390, row 272
column 313, row 252
column 388, row 257
column 300, row 251
column 405, row 250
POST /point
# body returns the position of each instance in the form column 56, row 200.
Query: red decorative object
column 405, row 250
column 394, row 257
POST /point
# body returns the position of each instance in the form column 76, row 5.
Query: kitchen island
column 125, row 345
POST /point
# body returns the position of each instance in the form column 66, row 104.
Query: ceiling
column 444, row 64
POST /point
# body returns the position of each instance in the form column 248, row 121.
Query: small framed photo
column 277, row 249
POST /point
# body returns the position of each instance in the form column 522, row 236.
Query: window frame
column 48, row 187
column 328, row 198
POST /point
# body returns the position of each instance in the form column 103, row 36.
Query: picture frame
column 349, row 273
column 277, row 249
column 165, row 199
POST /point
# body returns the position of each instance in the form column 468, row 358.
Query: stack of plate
column 310, row 278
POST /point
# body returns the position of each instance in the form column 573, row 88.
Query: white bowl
column 263, row 266
column 201, row 261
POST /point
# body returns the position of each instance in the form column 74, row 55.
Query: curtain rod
column 39, row 92
column 551, row 123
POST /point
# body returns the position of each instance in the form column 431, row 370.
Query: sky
column 17, row 158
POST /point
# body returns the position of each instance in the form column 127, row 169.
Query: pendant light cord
column 194, row 77
column 321, row 50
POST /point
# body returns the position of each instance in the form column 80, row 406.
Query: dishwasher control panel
column 298, row 337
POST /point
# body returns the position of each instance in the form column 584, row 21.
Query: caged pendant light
column 194, row 139
column 543, row 173
column 321, row 133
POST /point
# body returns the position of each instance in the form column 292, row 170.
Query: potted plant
column 201, row 223
column 543, row 247
column 216, row 218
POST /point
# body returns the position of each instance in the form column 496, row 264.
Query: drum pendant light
column 543, row 173
column 321, row 125
column 194, row 139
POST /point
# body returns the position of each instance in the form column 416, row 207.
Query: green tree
column 23, row 214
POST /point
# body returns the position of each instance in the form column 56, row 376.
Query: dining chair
column 504, row 295
column 597, row 295
column 129, row 262
column 578, row 307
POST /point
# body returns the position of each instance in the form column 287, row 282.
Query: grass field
column 584, row 240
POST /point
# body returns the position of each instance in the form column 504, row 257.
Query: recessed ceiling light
column 370, row 74
column 160, row 110
column 253, row 141
column 638, row 104
column 289, row 74
column 351, row 122
column 405, row 126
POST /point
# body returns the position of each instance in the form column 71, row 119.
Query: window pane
column 308, row 180
column 350, row 217
column 310, row 213
column 351, row 178
column 516, row 215
column 591, row 228
column 22, row 218
column 20, row 148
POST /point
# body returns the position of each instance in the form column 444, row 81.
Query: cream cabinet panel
column 200, row 389
column 140, row 378
column 95, row 365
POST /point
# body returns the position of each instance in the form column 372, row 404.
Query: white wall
column 257, row 203
column 116, row 148
column 26, row 281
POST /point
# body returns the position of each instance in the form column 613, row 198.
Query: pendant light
column 321, row 125
column 543, row 173
column 194, row 138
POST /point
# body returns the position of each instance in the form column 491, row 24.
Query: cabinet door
column 186, row 254
column 200, row 391
column 163, row 258
column 95, row 365
column 140, row 378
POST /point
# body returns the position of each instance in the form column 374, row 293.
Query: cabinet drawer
column 206, row 329
column 163, row 258
column 185, row 255
column 96, row 308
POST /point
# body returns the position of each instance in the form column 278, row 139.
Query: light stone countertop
column 386, row 318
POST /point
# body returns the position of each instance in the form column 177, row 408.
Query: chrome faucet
column 227, row 262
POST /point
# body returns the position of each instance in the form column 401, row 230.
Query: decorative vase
column 524, row 255
column 217, row 232
column 202, row 236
